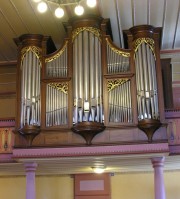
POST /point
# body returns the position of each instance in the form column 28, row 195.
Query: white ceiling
column 18, row 17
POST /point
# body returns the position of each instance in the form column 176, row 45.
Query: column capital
column 158, row 161
column 30, row 166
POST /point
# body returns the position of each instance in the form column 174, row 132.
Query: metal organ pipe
column 146, row 80
column 150, row 74
column 144, row 68
column 97, row 76
column 141, row 85
column 129, row 103
column 80, row 76
column 154, row 86
column 92, row 77
column 140, row 116
column 86, row 74
column 80, row 66
column 100, row 83
column 75, row 81
column 91, row 64
column 47, row 106
column 86, row 65
column 38, row 93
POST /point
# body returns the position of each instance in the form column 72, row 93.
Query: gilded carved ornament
column 119, row 52
column 49, row 59
column 95, row 31
column 63, row 87
column 148, row 41
column 111, row 84
column 36, row 50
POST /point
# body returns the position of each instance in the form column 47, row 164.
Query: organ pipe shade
column 30, row 87
column 146, row 81
column 87, row 78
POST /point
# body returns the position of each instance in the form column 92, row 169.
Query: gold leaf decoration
column 58, row 54
column 95, row 31
column 111, row 84
column 117, row 51
column 36, row 50
column 63, row 86
column 148, row 41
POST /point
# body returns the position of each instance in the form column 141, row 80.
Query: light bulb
column 59, row 12
column 36, row 1
column 79, row 10
column 42, row 7
column 98, row 169
column 91, row 3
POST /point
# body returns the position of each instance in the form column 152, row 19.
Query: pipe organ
column 89, row 83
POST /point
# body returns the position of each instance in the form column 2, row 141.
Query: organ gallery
column 89, row 89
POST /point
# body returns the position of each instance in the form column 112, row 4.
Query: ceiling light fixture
column 59, row 11
column 36, row 1
column 79, row 10
column 42, row 7
column 91, row 3
column 99, row 169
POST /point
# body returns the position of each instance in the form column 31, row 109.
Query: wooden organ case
column 89, row 85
